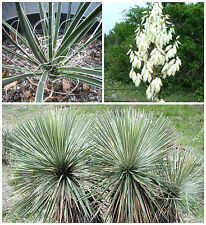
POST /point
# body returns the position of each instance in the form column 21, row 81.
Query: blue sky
column 113, row 12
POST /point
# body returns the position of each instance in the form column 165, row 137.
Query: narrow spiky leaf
column 68, row 17
column 58, row 16
column 50, row 165
column 40, row 89
column 30, row 36
column 79, row 30
column 9, row 80
column 43, row 20
column 50, row 29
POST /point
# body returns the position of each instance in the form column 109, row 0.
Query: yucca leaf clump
column 131, row 153
column 185, row 176
column 51, row 58
column 50, row 171
column 119, row 166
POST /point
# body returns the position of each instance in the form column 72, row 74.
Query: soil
column 6, row 190
column 59, row 90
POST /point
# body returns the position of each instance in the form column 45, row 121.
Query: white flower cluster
column 156, row 56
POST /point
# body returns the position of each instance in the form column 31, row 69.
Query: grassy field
column 188, row 120
column 116, row 91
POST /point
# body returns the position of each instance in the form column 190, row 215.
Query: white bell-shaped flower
column 166, row 66
column 131, row 56
column 136, row 63
column 137, row 80
column 132, row 73
column 149, row 93
column 146, row 75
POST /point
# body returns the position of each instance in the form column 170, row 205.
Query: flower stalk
column 156, row 56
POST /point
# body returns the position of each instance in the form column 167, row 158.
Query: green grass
column 13, row 115
column 117, row 91
column 188, row 120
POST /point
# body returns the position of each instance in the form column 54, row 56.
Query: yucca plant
column 50, row 171
column 51, row 57
column 185, row 190
column 130, row 154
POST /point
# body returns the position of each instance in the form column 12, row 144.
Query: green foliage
column 50, row 58
column 189, row 21
column 117, row 44
column 116, row 60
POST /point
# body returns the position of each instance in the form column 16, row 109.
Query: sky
column 113, row 12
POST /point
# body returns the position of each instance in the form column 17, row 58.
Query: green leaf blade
column 40, row 89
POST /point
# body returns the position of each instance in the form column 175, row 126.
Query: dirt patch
column 6, row 189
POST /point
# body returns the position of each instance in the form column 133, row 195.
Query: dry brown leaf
column 46, row 85
column 27, row 94
column 99, row 93
column 4, row 60
column 13, row 84
column 4, row 72
column 13, row 36
column 66, row 85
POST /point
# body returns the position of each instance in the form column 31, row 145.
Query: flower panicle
column 156, row 56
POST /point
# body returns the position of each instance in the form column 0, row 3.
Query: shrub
column 141, row 175
column 189, row 20
column 117, row 43
column 50, row 171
